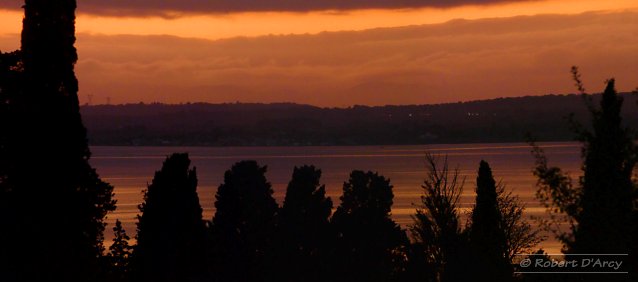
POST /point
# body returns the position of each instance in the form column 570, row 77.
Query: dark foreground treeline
column 53, row 204
column 251, row 238
column 201, row 124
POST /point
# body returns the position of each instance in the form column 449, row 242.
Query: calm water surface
column 130, row 169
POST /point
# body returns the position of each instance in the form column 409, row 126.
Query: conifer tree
column 601, row 207
column 47, row 155
column 486, row 233
column 10, row 75
column 304, row 236
column 170, row 231
column 243, row 225
column 119, row 255
column 368, row 241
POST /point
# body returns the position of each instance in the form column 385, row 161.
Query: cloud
column 175, row 7
column 456, row 61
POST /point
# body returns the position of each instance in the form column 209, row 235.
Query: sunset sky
column 344, row 52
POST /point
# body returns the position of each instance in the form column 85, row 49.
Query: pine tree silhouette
column 304, row 234
column 368, row 240
column 47, row 155
column 170, row 231
column 243, row 225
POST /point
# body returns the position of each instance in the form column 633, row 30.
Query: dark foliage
column 243, row 225
column 118, row 258
column 10, row 82
column 369, row 242
column 304, row 238
column 417, row 264
column 486, row 233
column 171, row 234
column 521, row 236
column 436, row 224
column 601, row 208
column 45, row 156
column 10, row 75
column 607, row 189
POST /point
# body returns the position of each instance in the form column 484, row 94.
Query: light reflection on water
column 129, row 169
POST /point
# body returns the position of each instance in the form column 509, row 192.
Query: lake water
column 130, row 169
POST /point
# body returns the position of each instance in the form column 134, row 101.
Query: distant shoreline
column 502, row 120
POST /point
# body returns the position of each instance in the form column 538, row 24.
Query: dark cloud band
column 168, row 7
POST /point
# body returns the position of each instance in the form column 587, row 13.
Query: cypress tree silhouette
column 304, row 234
column 607, row 187
column 436, row 223
column 601, row 209
column 368, row 240
column 10, row 76
column 486, row 232
column 171, row 232
column 118, row 257
column 47, row 155
column 243, row 224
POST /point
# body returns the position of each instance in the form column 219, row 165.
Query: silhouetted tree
column 10, row 78
column 47, row 154
column 520, row 236
column 486, row 232
column 368, row 240
column 170, row 232
column 10, row 75
column 304, row 236
column 243, row 224
column 601, row 208
column 436, row 223
column 118, row 257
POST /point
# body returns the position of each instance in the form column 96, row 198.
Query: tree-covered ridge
column 201, row 124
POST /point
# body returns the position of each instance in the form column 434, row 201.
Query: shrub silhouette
column 368, row 240
column 170, row 231
column 304, row 234
column 243, row 224
column 46, row 126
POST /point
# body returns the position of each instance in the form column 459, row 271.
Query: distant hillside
column 200, row 124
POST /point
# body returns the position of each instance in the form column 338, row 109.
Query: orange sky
column 266, row 75
column 264, row 23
